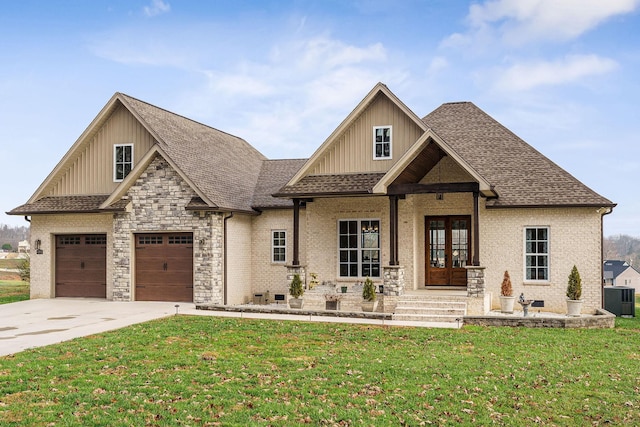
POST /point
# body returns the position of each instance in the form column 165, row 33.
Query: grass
column 10, row 263
column 207, row 371
column 13, row 291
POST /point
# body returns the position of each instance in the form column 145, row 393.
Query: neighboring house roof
column 616, row 268
column 521, row 176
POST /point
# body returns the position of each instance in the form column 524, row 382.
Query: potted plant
column 314, row 280
column 369, row 298
column 506, row 294
column 296, row 290
column 574, row 292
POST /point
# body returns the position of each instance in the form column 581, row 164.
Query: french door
column 448, row 240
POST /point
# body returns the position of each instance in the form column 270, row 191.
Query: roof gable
column 349, row 148
column 209, row 158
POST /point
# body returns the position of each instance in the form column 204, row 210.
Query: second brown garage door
column 164, row 267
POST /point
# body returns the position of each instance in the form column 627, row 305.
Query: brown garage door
column 164, row 267
column 81, row 266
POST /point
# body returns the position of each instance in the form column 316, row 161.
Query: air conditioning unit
column 620, row 300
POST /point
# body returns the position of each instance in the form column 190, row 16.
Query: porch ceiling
column 420, row 165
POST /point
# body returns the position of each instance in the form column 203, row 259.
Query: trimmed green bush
column 574, row 287
column 296, row 289
column 369, row 290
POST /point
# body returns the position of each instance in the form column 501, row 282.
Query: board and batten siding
column 91, row 171
column 352, row 151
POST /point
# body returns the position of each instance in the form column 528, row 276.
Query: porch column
column 393, row 230
column 296, row 232
column 476, row 230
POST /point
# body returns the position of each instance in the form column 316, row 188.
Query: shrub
column 295, row 288
column 505, row 289
column 574, row 287
column 369, row 290
column 24, row 270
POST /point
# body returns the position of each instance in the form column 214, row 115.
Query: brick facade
column 45, row 228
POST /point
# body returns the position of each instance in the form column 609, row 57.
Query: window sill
column 537, row 283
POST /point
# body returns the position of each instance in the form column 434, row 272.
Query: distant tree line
column 624, row 248
column 10, row 236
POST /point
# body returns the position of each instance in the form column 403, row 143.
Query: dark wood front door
column 447, row 244
column 164, row 267
column 81, row 265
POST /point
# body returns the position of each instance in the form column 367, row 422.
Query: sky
column 564, row 75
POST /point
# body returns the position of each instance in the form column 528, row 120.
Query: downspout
column 26, row 218
column 607, row 212
column 224, row 254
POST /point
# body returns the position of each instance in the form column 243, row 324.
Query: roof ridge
column 181, row 116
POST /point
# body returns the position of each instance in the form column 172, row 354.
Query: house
column 23, row 247
column 620, row 273
column 150, row 205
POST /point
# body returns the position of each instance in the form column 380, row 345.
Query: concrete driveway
column 40, row 322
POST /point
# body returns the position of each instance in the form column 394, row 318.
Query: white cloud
column 157, row 7
column 571, row 69
column 515, row 22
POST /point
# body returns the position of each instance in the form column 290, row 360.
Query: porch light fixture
column 38, row 244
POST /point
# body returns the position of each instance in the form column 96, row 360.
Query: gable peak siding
column 352, row 150
column 90, row 171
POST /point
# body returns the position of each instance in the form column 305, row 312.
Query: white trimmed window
column 278, row 245
column 381, row 142
column 122, row 161
column 359, row 248
column 536, row 249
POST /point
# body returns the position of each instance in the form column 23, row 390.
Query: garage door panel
column 81, row 266
column 164, row 267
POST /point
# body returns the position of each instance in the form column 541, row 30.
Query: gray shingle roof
column 274, row 174
column 332, row 185
column 67, row 204
column 522, row 176
column 225, row 168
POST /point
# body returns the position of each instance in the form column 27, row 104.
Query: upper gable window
column 381, row 142
column 122, row 161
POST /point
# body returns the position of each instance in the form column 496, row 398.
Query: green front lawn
column 13, row 290
column 206, row 371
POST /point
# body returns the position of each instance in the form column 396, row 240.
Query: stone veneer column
column 475, row 281
column 393, row 280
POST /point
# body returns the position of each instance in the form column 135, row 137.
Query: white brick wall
column 575, row 238
column 270, row 275
column 45, row 228
column 239, row 277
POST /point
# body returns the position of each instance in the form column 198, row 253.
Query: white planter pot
column 574, row 307
column 506, row 304
column 296, row 302
column 369, row 305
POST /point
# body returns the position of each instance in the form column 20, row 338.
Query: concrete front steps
column 431, row 308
